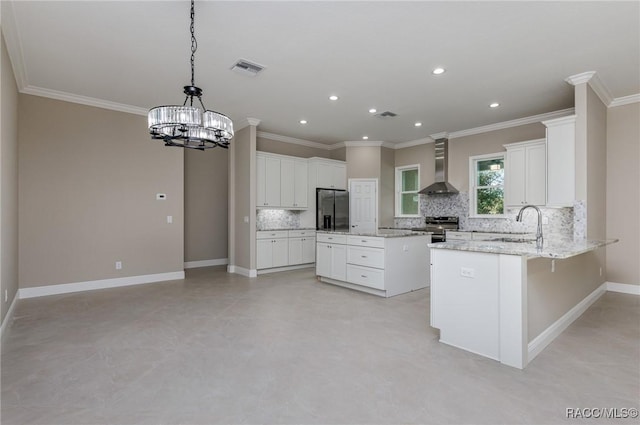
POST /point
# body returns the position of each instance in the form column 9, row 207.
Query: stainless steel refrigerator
column 332, row 209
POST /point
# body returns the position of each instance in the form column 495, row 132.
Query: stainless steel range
column 439, row 226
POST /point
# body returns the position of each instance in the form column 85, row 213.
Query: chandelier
column 188, row 126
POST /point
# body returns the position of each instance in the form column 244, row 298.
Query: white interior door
column 363, row 205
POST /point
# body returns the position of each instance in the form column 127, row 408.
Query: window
column 486, row 175
column 407, row 187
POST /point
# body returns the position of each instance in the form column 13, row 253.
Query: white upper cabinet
column 526, row 173
column 328, row 174
column 281, row 181
column 561, row 161
column 268, row 181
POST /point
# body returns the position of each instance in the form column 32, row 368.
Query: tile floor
column 223, row 349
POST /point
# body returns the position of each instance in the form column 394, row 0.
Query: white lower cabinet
column 281, row 248
column 380, row 266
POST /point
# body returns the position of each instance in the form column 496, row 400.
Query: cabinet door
column 561, row 161
column 339, row 175
column 536, row 175
column 272, row 182
column 324, row 176
column 280, row 252
column 514, row 179
column 295, row 251
column 308, row 250
column 261, row 189
column 339, row 262
column 264, row 254
column 287, row 183
column 301, row 184
column 323, row 259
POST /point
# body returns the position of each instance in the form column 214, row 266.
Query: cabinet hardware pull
column 364, row 256
column 363, row 241
column 363, row 276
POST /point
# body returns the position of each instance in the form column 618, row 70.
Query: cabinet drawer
column 331, row 238
column 458, row 236
column 301, row 233
column 273, row 234
column 365, row 276
column 363, row 256
column 366, row 241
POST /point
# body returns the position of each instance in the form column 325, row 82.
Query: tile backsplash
column 277, row 219
column 561, row 220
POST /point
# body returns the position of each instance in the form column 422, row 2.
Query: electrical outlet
column 118, row 265
column 545, row 220
column 467, row 272
column 600, row 271
column 169, row 219
column 405, row 248
column 6, row 295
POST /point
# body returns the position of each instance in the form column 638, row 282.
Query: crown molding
column 560, row 121
column 338, row 145
column 84, row 100
column 512, row 123
column 364, row 143
column 442, row 135
column 14, row 46
column 292, row 140
column 594, row 81
column 412, row 143
column 626, row 100
column 253, row 121
column 246, row 122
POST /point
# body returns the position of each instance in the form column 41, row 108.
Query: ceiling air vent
column 247, row 68
column 386, row 114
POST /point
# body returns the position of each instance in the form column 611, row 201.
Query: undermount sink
column 514, row 240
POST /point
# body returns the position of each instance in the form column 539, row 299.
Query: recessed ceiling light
column 418, row 124
column 365, row 137
column 373, row 110
column 438, row 71
column 303, row 121
column 333, row 97
column 494, row 105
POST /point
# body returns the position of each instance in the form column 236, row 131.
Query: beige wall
column 206, row 196
column 596, row 166
column 386, row 206
column 243, row 198
column 552, row 294
column 339, row 154
column 423, row 155
column 460, row 149
column 291, row 149
column 8, row 184
column 623, row 193
column 88, row 179
column 363, row 162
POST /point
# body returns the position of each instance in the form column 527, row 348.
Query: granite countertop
column 285, row 228
column 552, row 248
column 380, row 233
column 492, row 231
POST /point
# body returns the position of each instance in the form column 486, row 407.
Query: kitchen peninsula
column 507, row 299
column 385, row 262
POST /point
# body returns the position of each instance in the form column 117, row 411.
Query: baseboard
column 286, row 268
column 8, row 318
column 64, row 288
column 624, row 288
column 540, row 342
column 206, row 263
column 242, row 271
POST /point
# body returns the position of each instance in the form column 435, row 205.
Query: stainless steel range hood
column 441, row 185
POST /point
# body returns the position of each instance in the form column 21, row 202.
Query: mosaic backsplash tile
column 561, row 220
column 580, row 220
column 277, row 219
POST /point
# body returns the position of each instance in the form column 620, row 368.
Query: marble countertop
column 381, row 233
column 552, row 248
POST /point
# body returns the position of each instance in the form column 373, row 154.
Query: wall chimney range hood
column 441, row 185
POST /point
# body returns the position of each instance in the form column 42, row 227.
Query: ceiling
column 370, row 54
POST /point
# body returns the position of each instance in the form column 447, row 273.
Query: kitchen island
column 385, row 262
column 507, row 299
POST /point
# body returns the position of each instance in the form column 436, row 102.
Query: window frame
column 473, row 189
column 399, row 192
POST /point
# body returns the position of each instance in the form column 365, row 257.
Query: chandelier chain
column 194, row 43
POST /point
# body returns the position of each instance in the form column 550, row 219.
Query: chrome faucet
column 539, row 231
